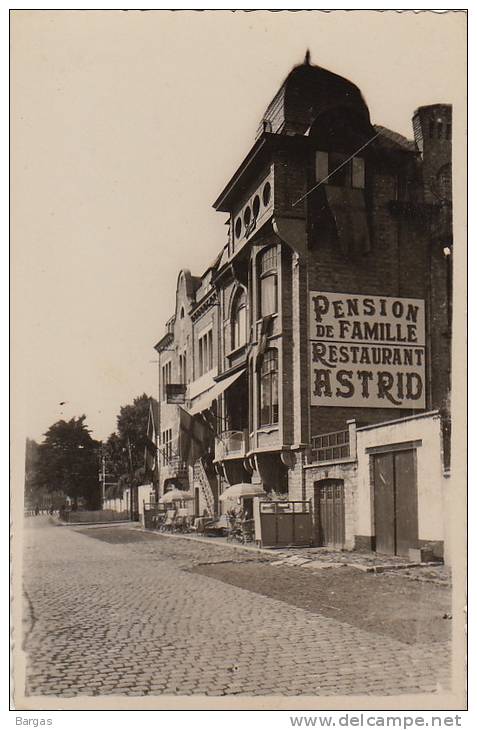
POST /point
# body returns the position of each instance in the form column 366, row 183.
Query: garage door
column 395, row 502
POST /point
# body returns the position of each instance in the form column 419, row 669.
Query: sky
column 125, row 128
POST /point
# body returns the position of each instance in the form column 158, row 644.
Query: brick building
column 319, row 337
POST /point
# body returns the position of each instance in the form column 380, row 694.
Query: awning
column 204, row 400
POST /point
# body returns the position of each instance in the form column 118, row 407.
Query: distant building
column 313, row 355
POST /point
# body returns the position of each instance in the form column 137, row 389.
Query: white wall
column 144, row 493
column 117, row 505
column 430, row 481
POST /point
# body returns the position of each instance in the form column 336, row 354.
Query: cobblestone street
column 134, row 614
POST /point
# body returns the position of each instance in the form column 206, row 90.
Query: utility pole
column 103, row 479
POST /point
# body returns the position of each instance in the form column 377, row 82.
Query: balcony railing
column 232, row 444
column 173, row 467
column 335, row 446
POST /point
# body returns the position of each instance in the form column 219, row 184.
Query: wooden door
column 395, row 502
column 405, row 477
column 384, row 507
column 196, row 502
column 330, row 513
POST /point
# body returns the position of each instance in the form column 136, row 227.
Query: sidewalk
column 318, row 558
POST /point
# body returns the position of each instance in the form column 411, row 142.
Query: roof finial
column 307, row 57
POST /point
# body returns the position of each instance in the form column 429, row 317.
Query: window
column 267, row 192
column 239, row 320
column 268, row 385
column 339, row 170
column 238, row 228
column 335, row 169
column 183, row 368
column 268, row 280
column 166, row 378
column 166, row 442
column 206, row 353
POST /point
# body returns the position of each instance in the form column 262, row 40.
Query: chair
column 182, row 520
column 158, row 520
column 235, row 530
column 248, row 531
column 169, row 522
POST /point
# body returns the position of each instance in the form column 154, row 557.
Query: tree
column 32, row 487
column 124, row 450
column 132, row 430
column 116, row 463
column 68, row 461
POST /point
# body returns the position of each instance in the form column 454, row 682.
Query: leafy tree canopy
column 31, row 472
column 68, row 461
column 124, row 450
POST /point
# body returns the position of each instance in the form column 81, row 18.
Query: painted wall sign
column 175, row 393
column 367, row 351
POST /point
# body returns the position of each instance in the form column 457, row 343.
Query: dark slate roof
column 394, row 139
column 308, row 91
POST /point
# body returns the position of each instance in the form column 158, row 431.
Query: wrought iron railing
column 173, row 466
column 231, row 443
column 330, row 446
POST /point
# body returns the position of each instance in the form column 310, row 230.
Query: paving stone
column 125, row 619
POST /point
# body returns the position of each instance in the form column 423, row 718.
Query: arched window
column 267, row 281
column 239, row 320
column 268, row 385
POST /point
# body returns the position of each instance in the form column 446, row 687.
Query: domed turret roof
column 308, row 92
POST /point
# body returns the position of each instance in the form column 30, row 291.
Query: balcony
column 334, row 447
column 231, row 445
column 174, row 468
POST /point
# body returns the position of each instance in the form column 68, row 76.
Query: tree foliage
column 31, row 472
column 132, row 429
column 68, row 461
column 124, row 449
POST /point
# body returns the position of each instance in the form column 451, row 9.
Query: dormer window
column 335, row 168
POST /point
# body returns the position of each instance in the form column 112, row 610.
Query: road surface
column 115, row 611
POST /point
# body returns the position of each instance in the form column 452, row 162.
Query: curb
column 95, row 524
column 294, row 560
column 211, row 541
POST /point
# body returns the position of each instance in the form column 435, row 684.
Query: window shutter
column 321, row 165
column 358, row 172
